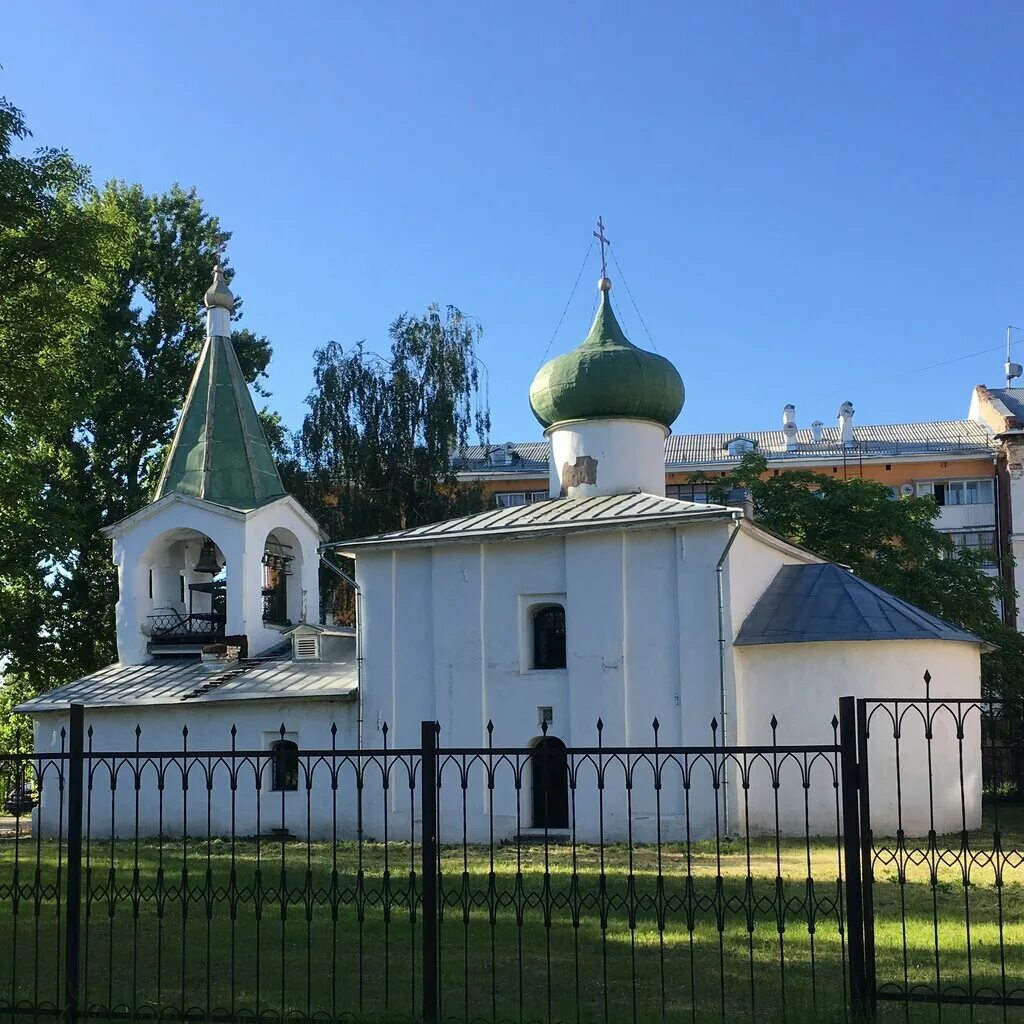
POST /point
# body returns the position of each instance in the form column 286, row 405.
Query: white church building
column 519, row 627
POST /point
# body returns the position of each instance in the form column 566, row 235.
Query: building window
column 513, row 499
column 549, row 637
column 740, row 446
column 981, row 541
column 958, row 492
column 689, row 492
column 284, row 762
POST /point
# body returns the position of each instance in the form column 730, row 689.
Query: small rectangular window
column 511, row 499
column 181, row 589
column 151, row 584
column 954, row 493
column 979, row 492
column 549, row 637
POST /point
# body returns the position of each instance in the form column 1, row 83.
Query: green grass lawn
column 550, row 935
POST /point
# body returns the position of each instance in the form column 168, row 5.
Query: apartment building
column 955, row 461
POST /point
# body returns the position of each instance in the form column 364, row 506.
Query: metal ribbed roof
column 191, row 682
column 557, row 515
column 824, row 602
column 1008, row 402
column 683, row 451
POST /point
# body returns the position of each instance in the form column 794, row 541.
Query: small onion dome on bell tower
column 218, row 295
column 607, row 376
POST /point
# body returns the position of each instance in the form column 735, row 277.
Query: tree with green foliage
column 892, row 543
column 100, row 326
column 375, row 449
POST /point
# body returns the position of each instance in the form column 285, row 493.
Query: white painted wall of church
column 444, row 633
column 801, row 685
column 258, row 723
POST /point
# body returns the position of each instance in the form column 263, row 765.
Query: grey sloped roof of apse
column 821, row 602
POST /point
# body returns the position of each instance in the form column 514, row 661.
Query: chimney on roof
column 816, row 428
column 845, row 415
column 789, row 427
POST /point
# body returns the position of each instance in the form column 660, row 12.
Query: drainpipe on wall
column 359, row 642
column 724, row 711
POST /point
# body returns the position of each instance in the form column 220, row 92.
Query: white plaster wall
column 201, row 811
column 801, row 685
column 630, row 456
column 443, row 636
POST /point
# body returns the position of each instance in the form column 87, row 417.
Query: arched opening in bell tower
column 282, row 579
column 184, row 603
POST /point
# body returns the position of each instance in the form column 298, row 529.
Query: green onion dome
column 607, row 376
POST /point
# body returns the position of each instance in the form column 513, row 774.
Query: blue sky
column 809, row 201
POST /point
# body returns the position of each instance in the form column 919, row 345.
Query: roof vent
column 816, row 428
column 306, row 646
column 845, row 417
column 789, row 427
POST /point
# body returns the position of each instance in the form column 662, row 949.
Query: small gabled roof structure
column 822, row 601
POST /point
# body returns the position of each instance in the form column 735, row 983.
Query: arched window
column 550, row 784
column 549, row 637
column 284, row 761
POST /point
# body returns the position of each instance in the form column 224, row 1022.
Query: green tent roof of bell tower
column 219, row 452
column 607, row 375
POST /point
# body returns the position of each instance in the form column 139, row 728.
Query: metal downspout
column 724, row 712
column 359, row 642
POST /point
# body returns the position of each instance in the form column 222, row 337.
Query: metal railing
column 172, row 627
column 428, row 882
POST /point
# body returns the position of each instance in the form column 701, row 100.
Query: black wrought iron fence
column 942, row 834
column 300, row 880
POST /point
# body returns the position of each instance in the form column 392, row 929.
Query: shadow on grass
column 298, row 931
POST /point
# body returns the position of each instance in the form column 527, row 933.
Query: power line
column 922, row 369
column 558, row 326
column 631, row 299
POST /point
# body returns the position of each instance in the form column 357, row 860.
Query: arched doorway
column 550, row 784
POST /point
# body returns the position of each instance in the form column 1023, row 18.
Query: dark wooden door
column 550, row 784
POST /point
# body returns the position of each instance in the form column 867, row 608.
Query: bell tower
column 222, row 554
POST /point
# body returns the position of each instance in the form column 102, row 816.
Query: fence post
column 860, row 1001
column 428, row 777
column 73, row 890
column 867, row 865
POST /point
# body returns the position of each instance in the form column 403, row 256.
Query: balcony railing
column 171, row 627
column 275, row 605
